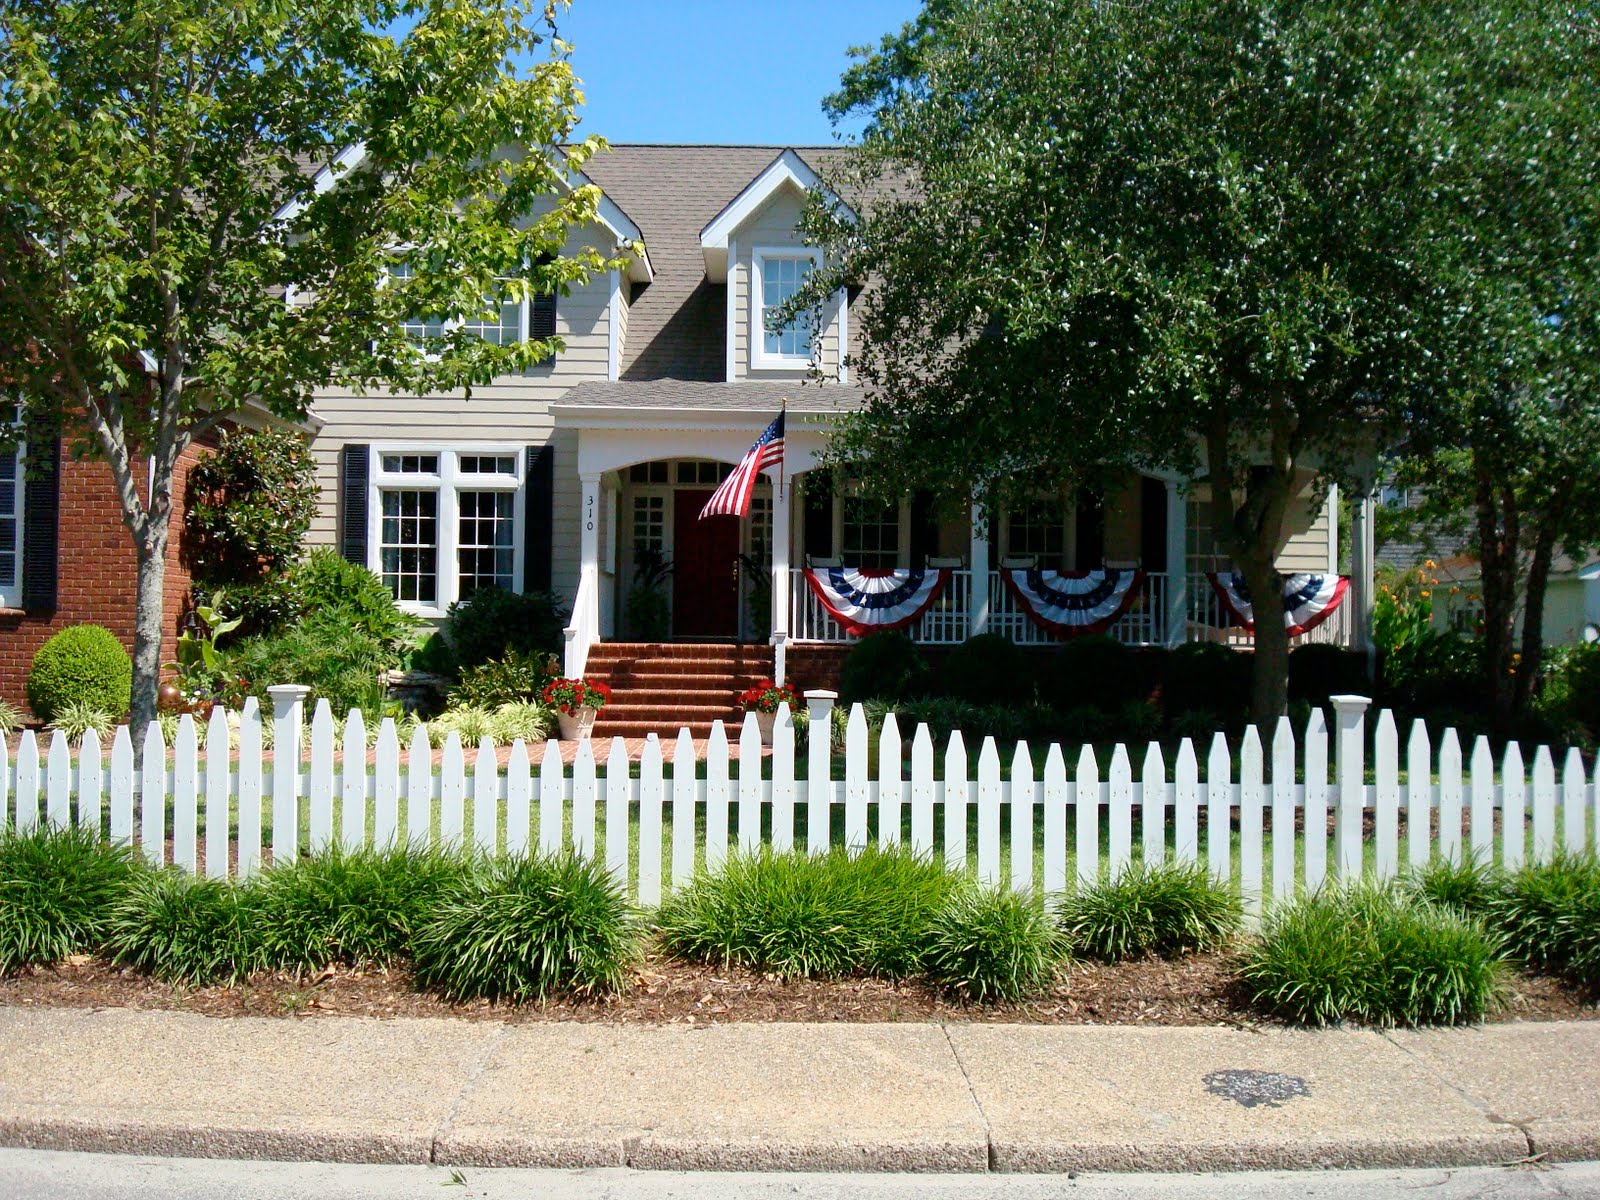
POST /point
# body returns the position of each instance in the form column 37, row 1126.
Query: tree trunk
column 1498, row 538
column 1526, row 678
column 149, row 626
column 1269, row 691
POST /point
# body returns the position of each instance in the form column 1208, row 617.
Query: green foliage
column 1570, row 699
column 492, row 622
column 1165, row 909
column 819, row 915
column 1468, row 887
column 57, row 887
column 470, row 725
column 530, row 722
column 524, row 929
column 78, row 718
column 1095, row 669
column 649, row 613
column 248, row 505
column 186, row 929
column 517, row 678
column 883, row 666
column 1318, row 671
column 987, row 669
column 1422, row 667
column 350, row 906
column 11, row 719
column 347, row 592
column 83, row 664
column 338, row 661
column 989, row 945
column 1376, row 954
column 1549, row 916
column 1207, row 676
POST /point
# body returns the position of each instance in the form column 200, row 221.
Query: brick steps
column 662, row 687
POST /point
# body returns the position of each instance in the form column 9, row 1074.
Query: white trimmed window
column 776, row 276
column 1038, row 529
column 505, row 322
column 870, row 533
column 11, row 497
column 445, row 522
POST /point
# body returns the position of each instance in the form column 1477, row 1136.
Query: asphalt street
column 49, row 1175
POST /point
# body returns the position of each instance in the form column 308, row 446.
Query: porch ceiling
column 601, row 398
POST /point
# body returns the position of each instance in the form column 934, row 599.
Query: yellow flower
column 1455, row 591
column 1426, row 593
column 1431, row 565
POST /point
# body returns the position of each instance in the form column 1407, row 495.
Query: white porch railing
column 1206, row 622
column 1144, row 624
column 584, row 631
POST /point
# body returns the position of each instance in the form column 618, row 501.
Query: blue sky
column 718, row 70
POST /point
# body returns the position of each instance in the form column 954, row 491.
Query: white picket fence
column 1262, row 821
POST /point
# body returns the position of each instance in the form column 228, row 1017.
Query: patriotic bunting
column 1073, row 602
column 1308, row 600
column 867, row 601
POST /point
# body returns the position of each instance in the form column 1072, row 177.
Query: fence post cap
column 821, row 694
column 288, row 692
column 1350, row 704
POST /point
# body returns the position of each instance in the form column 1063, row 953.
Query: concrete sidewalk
column 920, row 1097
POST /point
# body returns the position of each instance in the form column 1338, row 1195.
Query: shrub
column 525, row 928
column 883, row 666
column 83, row 664
column 354, row 596
column 1549, row 915
column 56, row 890
column 10, row 719
column 530, row 722
column 1376, row 954
column 1319, row 671
column 987, row 669
column 810, row 915
column 514, row 679
column 339, row 662
column 1171, row 908
column 1092, row 669
column 1206, row 675
column 1570, row 698
column 185, row 928
column 470, row 725
column 248, row 505
column 351, row 906
column 76, row 719
column 988, row 946
column 492, row 621
column 1466, row 887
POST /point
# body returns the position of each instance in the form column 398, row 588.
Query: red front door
column 705, row 583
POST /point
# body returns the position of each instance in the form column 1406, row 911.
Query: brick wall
column 97, row 571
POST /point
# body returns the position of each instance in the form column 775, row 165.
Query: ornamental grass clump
column 1549, row 916
column 993, row 946
column 351, row 906
column 807, row 915
column 1467, row 887
column 57, row 888
column 526, row 928
column 1377, row 954
column 187, row 929
column 1166, row 909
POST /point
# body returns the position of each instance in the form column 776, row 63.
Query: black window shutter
column 538, row 527
column 542, row 319
column 924, row 530
column 41, row 529
column 1152, row 524
column 355, row 471
column 1091, row 531
column 816, row 531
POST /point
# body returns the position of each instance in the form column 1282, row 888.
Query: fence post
column 1350, row 782
column 819, row 759
column 288, row 713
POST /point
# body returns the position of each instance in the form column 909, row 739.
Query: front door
column 705, row 559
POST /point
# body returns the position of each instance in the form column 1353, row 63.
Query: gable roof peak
column 788, row 169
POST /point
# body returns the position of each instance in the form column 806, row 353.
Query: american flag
column 732, row 499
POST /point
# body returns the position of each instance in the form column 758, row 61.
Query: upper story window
column 505, row 322
column 11, row 495
column 777, row 274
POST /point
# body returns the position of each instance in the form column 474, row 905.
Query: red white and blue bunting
column 868, row 601
column 1073, row 602
column 1308, row 600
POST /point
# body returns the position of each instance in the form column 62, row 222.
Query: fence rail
column 1274, row 818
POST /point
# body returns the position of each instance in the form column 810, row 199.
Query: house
column 1571, row 600
column 578, row 472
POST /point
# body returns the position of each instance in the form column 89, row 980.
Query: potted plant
column 764, row 700
column 576, row 702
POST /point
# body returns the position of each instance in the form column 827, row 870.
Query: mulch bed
column 1197, row 990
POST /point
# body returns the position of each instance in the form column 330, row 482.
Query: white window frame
column 448, row 483
column 450, row 324
column 902, row 554
column 11, row 596
column 760, row 358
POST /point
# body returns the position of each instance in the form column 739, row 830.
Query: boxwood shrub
column 884, row 666
column 82, row 664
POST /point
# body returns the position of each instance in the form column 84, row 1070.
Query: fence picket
column 28, row 782
column 250, row 786
column 1120, row 800
column 452, row 792
column 1386, row 798
column 1219, row 810
column 1574, row 790
column 91, row 778
column 716, row 797
column 1054, row 816
column 1544, row 805
column 386, row 786
column 650, row 796
column 989, row 814
column 1252, row 813
column 419, row 788
column 552, row 815
column 1153, row 806
column 1316, row 814
column 1186, row 805
column 320, row 786
column 783, row 781
column 218, row 756
column 1513, row 810
column 617, row 789
column 185, row 795
column 1419, row 795
column 1480, row 816
column 923, row 791
column 891, row 789
column 153, row 796
column 683, row 809
column 857, row 786
column 749, row 839
column 1024, row 795
column 58, row 782
column 485, row 796
column 1283, row 810
column 956, row 802
column 584, row 788
column 519, row 799
column 5, row 782
column 1450, row 797
column 353, row 781
column 1086, row 832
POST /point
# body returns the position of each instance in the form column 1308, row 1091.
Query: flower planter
column 576, row 726
column 766, row 722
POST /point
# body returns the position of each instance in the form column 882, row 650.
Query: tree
column 1180, row 233
column 172, row 253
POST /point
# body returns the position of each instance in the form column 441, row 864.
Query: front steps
column 662, row 687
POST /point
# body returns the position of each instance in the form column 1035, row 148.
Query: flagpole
column 783, row 458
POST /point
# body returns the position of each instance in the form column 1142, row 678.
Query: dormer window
column 777, row 276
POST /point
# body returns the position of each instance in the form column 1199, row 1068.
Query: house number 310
column 589, row 515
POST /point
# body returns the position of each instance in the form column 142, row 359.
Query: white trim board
column 787, row 170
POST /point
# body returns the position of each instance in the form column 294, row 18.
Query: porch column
column 584, row 629
column 781, row 536
column 1177, row 614
column 978, row 560
column 1362, row 553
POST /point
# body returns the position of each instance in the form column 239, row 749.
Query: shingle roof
column 745, row 396
column 677, row 324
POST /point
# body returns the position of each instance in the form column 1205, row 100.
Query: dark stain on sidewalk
column 1253, row 1089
